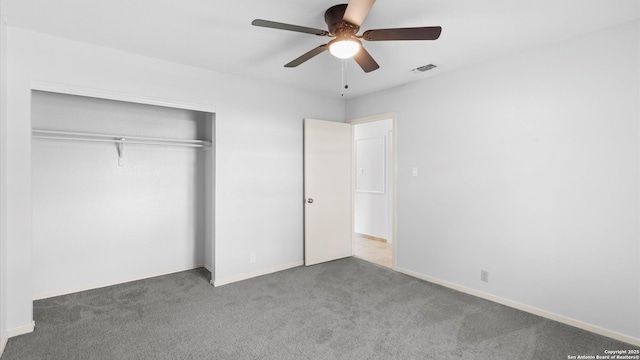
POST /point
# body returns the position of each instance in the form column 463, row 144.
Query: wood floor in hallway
column 374, row 251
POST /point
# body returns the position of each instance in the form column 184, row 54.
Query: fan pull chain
column 344, row 84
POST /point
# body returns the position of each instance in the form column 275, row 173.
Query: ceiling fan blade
column 307, row 56
column 418, row 33
column 289, row 27
column 365, row 60
column 357, row 11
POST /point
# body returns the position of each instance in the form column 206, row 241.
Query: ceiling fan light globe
column 344, row 49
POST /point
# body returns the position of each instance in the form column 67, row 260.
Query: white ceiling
column 218, row 35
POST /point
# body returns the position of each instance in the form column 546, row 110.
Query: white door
column 327, row 188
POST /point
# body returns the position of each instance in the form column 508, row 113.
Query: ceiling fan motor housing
column 337, row 26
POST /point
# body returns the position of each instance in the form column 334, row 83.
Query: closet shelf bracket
column 120, row 145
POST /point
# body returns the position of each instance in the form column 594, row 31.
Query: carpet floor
column 345, row 309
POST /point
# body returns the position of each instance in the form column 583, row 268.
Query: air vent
column 424, row 68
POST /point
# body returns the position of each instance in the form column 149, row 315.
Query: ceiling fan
column 343, row 23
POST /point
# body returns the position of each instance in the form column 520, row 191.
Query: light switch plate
column 414, row 171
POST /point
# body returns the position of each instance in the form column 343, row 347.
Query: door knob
column 310, row 200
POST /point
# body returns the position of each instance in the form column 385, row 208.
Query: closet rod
column 126, row 140
column 79, row 136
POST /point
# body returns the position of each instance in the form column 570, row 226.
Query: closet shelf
column 119, row 140
column 91, row 137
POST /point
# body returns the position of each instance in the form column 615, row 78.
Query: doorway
column 374, row 189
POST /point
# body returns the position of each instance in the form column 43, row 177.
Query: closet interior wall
column 97, row 223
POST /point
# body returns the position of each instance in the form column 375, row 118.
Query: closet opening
column 120, row 191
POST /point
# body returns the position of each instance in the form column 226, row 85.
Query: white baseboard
column 20, row 330
column 232, row 279
column 122, row 281
column 3, row 344
column 530, row 309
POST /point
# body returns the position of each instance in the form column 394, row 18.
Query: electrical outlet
column 252, row 258
column 484, row 276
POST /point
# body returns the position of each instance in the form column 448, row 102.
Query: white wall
column 529, row 169
column 372, row 209
column 3, row 185
column 258, row 150
column 95, row 223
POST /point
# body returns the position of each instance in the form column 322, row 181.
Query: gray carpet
column 345, row 309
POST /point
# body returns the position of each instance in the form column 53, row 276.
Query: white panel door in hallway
column 328, row 226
